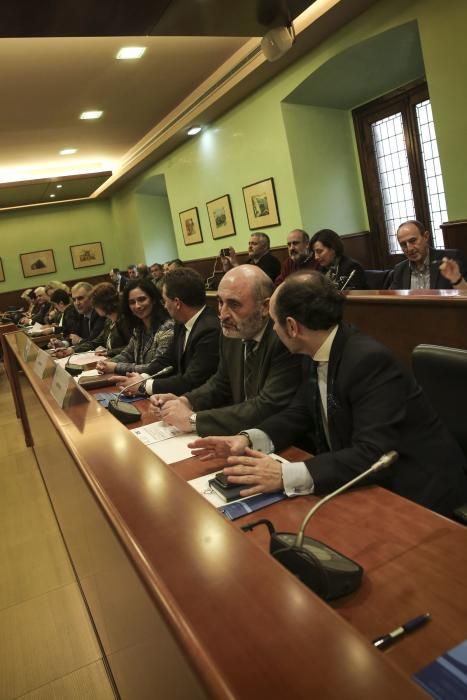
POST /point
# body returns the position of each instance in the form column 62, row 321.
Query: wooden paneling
column 360, row 247
column 185, row 605
column 402, row 319
column 455, row 235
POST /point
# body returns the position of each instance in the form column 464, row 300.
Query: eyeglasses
column 78, row 298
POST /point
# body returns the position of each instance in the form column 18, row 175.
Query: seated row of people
column 355, row 405
column 424, row 268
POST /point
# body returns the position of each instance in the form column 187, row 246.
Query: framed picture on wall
column 261, row 204
column 87, row 255
column 2, row 274
column 39, row 262
column 191, row 229
column 221, row 217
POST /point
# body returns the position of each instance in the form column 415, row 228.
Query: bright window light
column 92, row 114
column 68, row 151
column 129, row 52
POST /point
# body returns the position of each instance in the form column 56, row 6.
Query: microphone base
column 328, row 573
column 125, row 412
column 74, row 370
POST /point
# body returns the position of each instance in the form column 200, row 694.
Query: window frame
column 402, row 100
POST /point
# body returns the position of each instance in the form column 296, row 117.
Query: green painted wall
column 262, row 138
column 55, row 227
column 326, row 176
column 156, row 228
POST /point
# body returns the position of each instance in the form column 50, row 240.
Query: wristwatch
column 192, row 420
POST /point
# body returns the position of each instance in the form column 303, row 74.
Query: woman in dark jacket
column 153, row 329
column 346, row 273
column 117, row 330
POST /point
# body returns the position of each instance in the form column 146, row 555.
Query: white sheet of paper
column 155, row 432
column 174, row 449
column 78, row 359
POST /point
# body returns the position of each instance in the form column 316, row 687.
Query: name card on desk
column 30, row 350
column 44, row 365
column 62, row 386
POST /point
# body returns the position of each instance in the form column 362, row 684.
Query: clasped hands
column 262, row 473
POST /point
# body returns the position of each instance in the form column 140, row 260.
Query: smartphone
column 221, row 479
column 224, row 252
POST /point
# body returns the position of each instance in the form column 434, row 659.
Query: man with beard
column 300, row 257
column 256, row 376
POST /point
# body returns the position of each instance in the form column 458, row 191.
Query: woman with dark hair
column 117, row 331
column 346, row 273
column 152, row 329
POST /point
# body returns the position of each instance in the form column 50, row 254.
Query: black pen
column 388, row 639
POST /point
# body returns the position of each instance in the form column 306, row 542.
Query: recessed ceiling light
column 192, row 131
column 128, row 52
column 68, row 151
column 51, row 195
column 91, row 114
column 59, row 187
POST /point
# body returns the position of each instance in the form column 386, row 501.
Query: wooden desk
column 403, row 319
column 185, row 605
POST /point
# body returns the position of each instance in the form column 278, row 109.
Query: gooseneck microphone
column 74, row 369
column 126, row 412
column 327, row 572
column 347, row 280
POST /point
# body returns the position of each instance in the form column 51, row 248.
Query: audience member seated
column 451, row 271
column 174, row 264
column 118, row 279
column 256, row 375
column 29, row 297
column 259, row 254
column 50, row 287
column 39, row 310
column 132, row 272
column 88, row 322
column 345, row 272
column 358, row 403
column 116, row 333
column 157, row 275
column 194, row 354
column 421, row 270
column 300, row 257
column 152, row 334
column 143, row 271
column 66, row 318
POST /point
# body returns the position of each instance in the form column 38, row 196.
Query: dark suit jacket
column 219, row 403
column 269, row 264
column 39, row 314
column 402, row 274
column 114, row 337
column 344, row 268
column 194, row 365
column 69, row 321
column 81, row 327
column 375, row 406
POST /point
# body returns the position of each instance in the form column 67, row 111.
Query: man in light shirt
column 355, row 401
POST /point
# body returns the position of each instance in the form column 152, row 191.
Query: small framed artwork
column 191, row 229
column 39, row 262
column 2, row 274
column 221, row 217
column 87, row 255
column 261, row 204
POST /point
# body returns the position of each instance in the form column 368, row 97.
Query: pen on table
column 388, row 639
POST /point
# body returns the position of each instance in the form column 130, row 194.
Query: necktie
column 248, row 368
column 317, row 429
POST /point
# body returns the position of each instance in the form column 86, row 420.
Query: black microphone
column 327, row 572
column 74, row 369
column 128, row 413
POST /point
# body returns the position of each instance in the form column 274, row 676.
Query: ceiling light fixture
column 130, row 52
column 193, row 130
column 59, row 187
column 51, row 195
column 68, row 151
column 91, row 114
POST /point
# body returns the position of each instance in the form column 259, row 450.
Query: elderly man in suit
column 194, row 354
column 421, row 269
column 256, row 376
column 356, row 402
